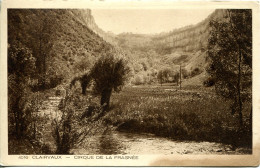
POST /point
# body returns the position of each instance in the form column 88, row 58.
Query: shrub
column 79, row 118
column 209, row 82
column 184, row 73
column 195, row 72
column 138, row 80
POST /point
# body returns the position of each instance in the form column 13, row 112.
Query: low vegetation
column 189, row 114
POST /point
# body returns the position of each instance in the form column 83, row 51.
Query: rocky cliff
column 189, row 38
column 185, row 46
column 85, row 17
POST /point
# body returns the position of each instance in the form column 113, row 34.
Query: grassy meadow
column 192, row 114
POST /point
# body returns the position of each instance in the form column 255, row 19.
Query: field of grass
column 193, row 113
column 190, row 114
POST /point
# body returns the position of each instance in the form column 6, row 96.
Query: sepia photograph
column 129, row 82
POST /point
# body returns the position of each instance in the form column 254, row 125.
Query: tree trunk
column 17, row 115
column 180, row 76
column 83, row 87
column 44, row 71
column 239, row 90
column 105, row 98
column 16, row 125
column 84, row 81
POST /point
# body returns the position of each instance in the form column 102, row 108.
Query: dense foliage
column 42, row 54
column 21, row 67
column 109, row 73
column 230, row 50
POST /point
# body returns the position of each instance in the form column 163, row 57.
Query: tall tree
column 37, row 30
column 43, row 33
column 230, row 50
column 21, row 67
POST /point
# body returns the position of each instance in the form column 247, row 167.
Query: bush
column 184, row 73
column 209, row 82
column 138, row 80
column 55, row 81
column 195, row 72
column 74, row 125
column 141, row 79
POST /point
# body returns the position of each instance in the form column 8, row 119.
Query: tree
column 160, row 76
column 37, row 30
column 84, row 82
column 176, row 78
column 21, row 68
column 43, row 33
column 184, row 73
column 108, row 73
column 230, row 50
column 166, row 74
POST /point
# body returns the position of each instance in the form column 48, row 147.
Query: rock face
column 85, row 17
column 189, row 38
column 186, row 39
column 185, row 46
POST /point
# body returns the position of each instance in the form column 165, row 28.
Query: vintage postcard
column 129, row 83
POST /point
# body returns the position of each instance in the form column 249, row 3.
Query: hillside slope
column 185, row 46
column 66, row 41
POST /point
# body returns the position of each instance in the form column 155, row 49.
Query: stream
column 115, row 142
column 135, row 144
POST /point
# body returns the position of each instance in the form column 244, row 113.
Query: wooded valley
column 76, row 89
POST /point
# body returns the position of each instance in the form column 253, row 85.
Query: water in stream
column 114, row 142
column 129, row 143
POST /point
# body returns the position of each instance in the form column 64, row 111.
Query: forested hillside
column 60, row 41
column 46, row 48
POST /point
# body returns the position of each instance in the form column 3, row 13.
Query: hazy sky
column 147, row 20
